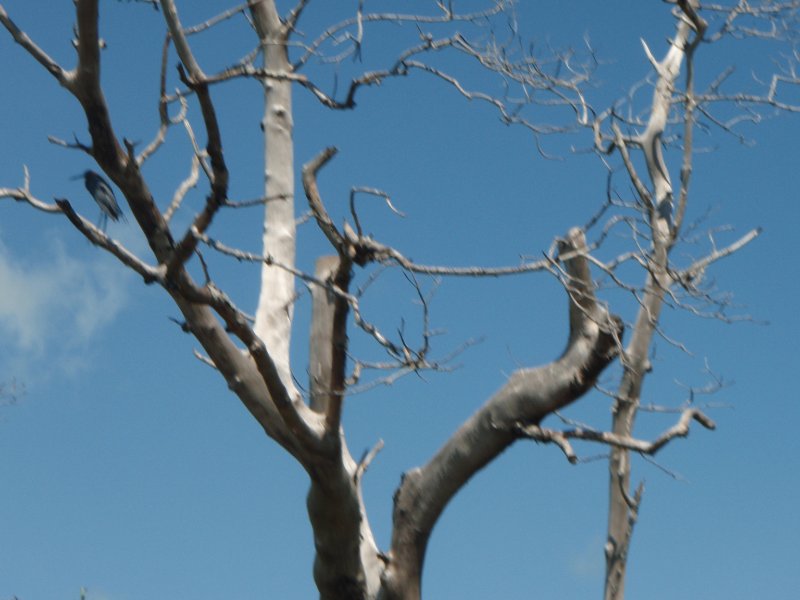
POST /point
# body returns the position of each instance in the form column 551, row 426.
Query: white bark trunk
column 276, row 298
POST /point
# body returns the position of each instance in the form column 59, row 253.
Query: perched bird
column 103, row 195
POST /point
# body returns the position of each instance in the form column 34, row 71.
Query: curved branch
column 324, row 220
column 528, row 396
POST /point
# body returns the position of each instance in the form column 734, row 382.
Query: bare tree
column 252, row 353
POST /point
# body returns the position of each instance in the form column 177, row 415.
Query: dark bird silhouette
column 104, row 196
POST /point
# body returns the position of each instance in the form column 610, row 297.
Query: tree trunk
column 276, row 298
column 623, row 506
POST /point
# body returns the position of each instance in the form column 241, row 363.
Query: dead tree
column 253, row 354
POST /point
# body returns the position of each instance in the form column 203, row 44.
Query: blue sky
column 128, row 467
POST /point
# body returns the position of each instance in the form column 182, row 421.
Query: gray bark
column 254, row 360
column 623, row 503
column 529, row 396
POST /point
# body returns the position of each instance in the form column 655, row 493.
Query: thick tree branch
column 347, row 564
column 105, row 147
column 275, row 310
column 529, row 396
column 328, row 348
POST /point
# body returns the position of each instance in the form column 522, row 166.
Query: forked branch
column 561, row 438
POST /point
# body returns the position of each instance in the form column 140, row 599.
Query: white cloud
column 57, row 303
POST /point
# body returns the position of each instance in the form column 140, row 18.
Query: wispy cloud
column 56, row 304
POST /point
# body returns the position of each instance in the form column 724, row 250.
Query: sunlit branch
column 23, row 194
column 561, row 438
